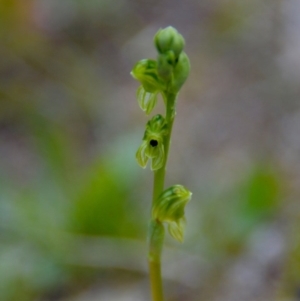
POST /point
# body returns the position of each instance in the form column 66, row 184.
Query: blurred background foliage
column 74, row 204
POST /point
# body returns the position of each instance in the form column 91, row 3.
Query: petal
column 140, row 95
column 152, row 149
column 147, row 101
column 176, row 229
column 151, row 103
column 141, row 156
column 158, row 160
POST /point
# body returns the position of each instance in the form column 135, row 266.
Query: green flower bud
column 169, row 39
column 180, row 72
column 152, row 146
column 147, row 101
column 169, row 207
column 145, row 71
column 165, row 63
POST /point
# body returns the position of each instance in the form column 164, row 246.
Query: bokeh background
column 74, row 204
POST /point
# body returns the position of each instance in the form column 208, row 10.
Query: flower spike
column 164, row 76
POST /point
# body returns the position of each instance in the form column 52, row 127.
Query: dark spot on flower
column 153, row 143
column 170, row 61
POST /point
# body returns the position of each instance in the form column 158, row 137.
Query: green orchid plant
column 163, row 76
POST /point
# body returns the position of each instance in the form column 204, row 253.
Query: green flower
column 145, row 71
column 152, row 146
column 169, row 208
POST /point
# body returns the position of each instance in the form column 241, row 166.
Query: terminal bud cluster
column 163, row 76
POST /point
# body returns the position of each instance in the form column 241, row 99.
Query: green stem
column 156, row 241
column 156, row 281
column 156, row 238
column 159, row 175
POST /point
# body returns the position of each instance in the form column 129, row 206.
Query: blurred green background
column 74, row 204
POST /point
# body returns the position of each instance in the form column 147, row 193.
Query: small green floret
column 169, row 208
column 152, row 146
column 145, row 71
